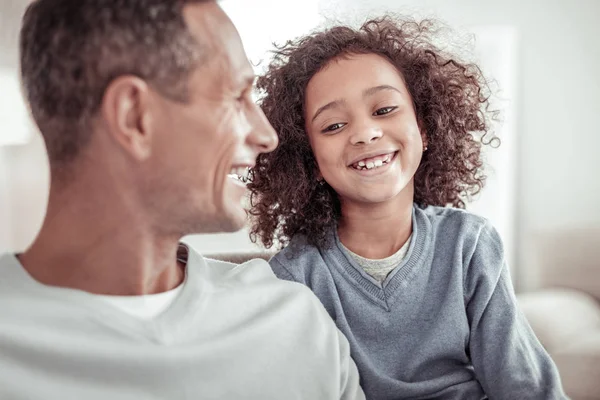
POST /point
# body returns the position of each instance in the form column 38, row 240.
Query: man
column 146, row 111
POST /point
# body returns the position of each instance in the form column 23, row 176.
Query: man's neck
column 86, row 244
column 377, row 230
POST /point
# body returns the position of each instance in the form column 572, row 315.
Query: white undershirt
column 151, row 305
column 380, row 268
column 144, row 307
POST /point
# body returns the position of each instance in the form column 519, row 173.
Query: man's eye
column 333, row 127
column 244, row 97
column 384, row 110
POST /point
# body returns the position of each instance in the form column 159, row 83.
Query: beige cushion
column 579, row 365
column 567, row 323
column 566, row 258
column 240, row 257
column 559, row 315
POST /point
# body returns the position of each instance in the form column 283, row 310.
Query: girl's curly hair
column 451, row 101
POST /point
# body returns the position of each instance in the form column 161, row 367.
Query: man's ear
column 125, row 108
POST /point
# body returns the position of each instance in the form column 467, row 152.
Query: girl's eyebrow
column 328, row 106
column 375, row 89
column 366, row 93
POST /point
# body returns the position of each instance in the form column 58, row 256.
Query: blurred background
column 543, row 192
column 544, row 56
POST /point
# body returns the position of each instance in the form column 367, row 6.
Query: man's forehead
column 218, row 37
column 206, row 22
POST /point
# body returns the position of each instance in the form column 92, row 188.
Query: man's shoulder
column 282, row 321
column 7, row 258
column 254, row 274
column 10, row 270
column 254, row 285
column 255, row 270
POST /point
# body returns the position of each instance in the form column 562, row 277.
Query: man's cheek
column 234, row 122
column 242, row 126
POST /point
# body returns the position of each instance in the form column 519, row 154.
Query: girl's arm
column 509, row 361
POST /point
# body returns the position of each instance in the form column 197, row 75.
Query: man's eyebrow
column 248, row 80
column 328, row 106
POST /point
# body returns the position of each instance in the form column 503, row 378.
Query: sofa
column 562, row 304
column 240, row 257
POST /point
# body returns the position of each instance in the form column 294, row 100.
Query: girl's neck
column 377, row 230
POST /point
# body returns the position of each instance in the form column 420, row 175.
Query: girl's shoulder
column 451, row 214
column 298, row 254
column 455, row 229
column 454, row 222
column 474, row 237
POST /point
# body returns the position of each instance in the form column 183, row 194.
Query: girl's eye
column 384, row 110
column 333, row 128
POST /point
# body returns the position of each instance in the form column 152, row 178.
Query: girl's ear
column 318, row 173
column 423, row 135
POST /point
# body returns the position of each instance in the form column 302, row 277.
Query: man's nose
column 262, row 135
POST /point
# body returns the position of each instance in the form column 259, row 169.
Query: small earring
column 321, row 181
column 425, row 149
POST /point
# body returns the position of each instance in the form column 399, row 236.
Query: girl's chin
column 373, row 199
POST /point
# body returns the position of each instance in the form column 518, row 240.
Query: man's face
column 219, row 132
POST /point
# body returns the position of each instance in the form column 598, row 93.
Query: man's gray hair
column 70, row 50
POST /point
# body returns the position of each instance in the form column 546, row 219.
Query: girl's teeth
column 362, row 165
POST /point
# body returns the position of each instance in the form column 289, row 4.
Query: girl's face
column 362, row 129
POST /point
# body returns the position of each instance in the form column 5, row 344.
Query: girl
column 379, row 132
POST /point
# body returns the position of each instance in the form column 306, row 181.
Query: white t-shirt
column 145, row 307
column 232, row 332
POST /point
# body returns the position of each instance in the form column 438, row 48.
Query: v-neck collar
column 385, row 293
column 162, row 329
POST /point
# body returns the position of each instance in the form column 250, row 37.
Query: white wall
column 24, row 183
column 5, row 208
column 495, row 48
column 558, row 98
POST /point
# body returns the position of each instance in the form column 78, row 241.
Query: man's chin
column 233, row 220
column 234, row 216
column 228, row 221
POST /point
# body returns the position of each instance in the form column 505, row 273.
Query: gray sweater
column 443, row 325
